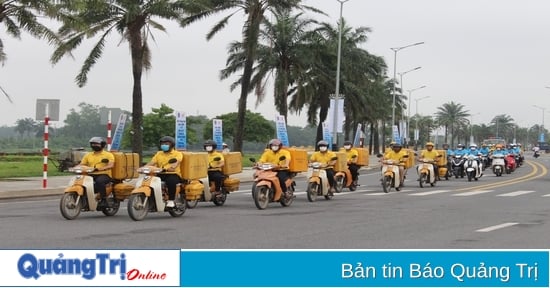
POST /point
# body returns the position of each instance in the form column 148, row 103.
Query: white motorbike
column 390, row 175
column 498, row 164
column 425, row 171
column 318, row 183
column 473, row 167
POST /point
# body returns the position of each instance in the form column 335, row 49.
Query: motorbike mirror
column 282, row 158
column 379, row 155
column 354, row 156
column 253, row 160
column 172, row 160
column 415, row 154
column 104, row 160
column 406, row 156
column 217, row 158
column 334, row 158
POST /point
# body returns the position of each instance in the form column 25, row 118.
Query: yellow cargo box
column 194, row 165
column 298, row 160
column 442, row 161
column 123, row 190
column 231, row 184
column 342, row 162
column 126, row 165
column 193, row 190
column 363, row 158
column 411, row 161
column 233, row 163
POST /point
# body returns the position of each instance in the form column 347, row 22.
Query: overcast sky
column 493, row 56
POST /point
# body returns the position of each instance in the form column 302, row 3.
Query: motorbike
column 497, row 164
column 473, row 167
column 390, row 175
column 510, row 163
column 343, row 180
column 209, row 195
column 425, row 171
column 317, row 184
column 266, row 186
column 536, row 154
column 457, row 166
column 80, row 196
column 151, row 195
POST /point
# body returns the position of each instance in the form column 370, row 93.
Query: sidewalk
column 32, row 186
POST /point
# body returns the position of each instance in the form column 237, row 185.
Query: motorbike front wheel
column 69, row 207
column 312, row 191
column 422, row 180
column 261, row 196
column 386, row 183
column 220, row 199
column 181, row 204
column 137, row 208
column 287, row 200
column 112, row 207
column 340, row 183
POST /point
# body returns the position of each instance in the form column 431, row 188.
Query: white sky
column 493, row 56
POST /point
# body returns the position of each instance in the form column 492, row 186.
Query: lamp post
column 401, row 74
column 472, row 127
column 336, row 96
column 395, row 50
column 417, row 136
column 541, row 129
column 409, row 108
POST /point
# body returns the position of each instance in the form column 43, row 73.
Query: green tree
column 134, row 21
column 452, row 115
column 502, row 126
column 257, row 129
column 25, row 126
column 83, row 123
column 255, row 11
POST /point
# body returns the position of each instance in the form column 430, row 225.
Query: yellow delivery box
column 194, row 165
column 233, row 163
column 298, row 160
column 126, row 165
column 342, row 162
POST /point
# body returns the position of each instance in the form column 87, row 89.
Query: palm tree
column 255, row 11
column 22, row 15
column 134, row 21
column 25, row 126
column 503, row 126
column 452, row 115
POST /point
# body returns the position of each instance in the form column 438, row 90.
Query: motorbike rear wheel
column 112, row 208
column 191, row 203
column 220, row 199
column 69, row 207
column 261, row 196
column 422, row 180
column 287, row 200
column 340, row 183
column 386, row 183
column 312, row 191
column 137, row 208
column 181, row 204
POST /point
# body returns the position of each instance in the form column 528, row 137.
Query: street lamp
column 472, row 127
column 395, row 50
column 417, row 132
column 409, row 108
column 336, row 96
column 401, row 83
column 541, row 129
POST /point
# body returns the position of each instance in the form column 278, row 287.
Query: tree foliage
column 257, row 128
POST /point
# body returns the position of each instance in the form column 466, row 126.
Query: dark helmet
column 210, row 142
column 98, row 140
column 168, row 139
column 275, row 142
column 322, row 143
column 460, row 146
column 347, row 142
column 396, row 145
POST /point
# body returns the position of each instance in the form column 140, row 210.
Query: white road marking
column 429, row 192
column 472, row 193
column 515, row 193
column 496, row 227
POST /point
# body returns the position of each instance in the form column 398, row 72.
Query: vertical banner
column 541, row 137
column 357, row 138
column 402, row 129
column 280, row 126
column 181, row 131
column 326, row 135
column 217, row 132
column 117, row 138
column 396, row 136
column 339, row 114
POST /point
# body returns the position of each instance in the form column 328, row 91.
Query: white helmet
column 473, row 146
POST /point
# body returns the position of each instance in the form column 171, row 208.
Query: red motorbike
column 510, row 163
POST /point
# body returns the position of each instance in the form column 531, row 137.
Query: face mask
column 96, row 148
column 165, row 147
column 208, row 148
column 323, row 148
column 274, row 148
column 347, row 147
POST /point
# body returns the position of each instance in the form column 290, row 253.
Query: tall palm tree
column 452, row 115
column 134, row 21
column 22, row 15
column 255, row 11
column 503, row 126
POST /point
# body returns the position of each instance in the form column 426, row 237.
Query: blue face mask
column 165, row 147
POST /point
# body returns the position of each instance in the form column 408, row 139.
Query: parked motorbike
column 317, row 184
column 425, row 171
column 266, row 186
column 390, row 175
column 473, row 167
column 457, row 166
column 498, row 165
column 80, row 195
column 151, row 195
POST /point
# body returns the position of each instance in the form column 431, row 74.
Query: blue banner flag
column 282, row 134
column 119, row 131
column 181, row 131
column 217, row 132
